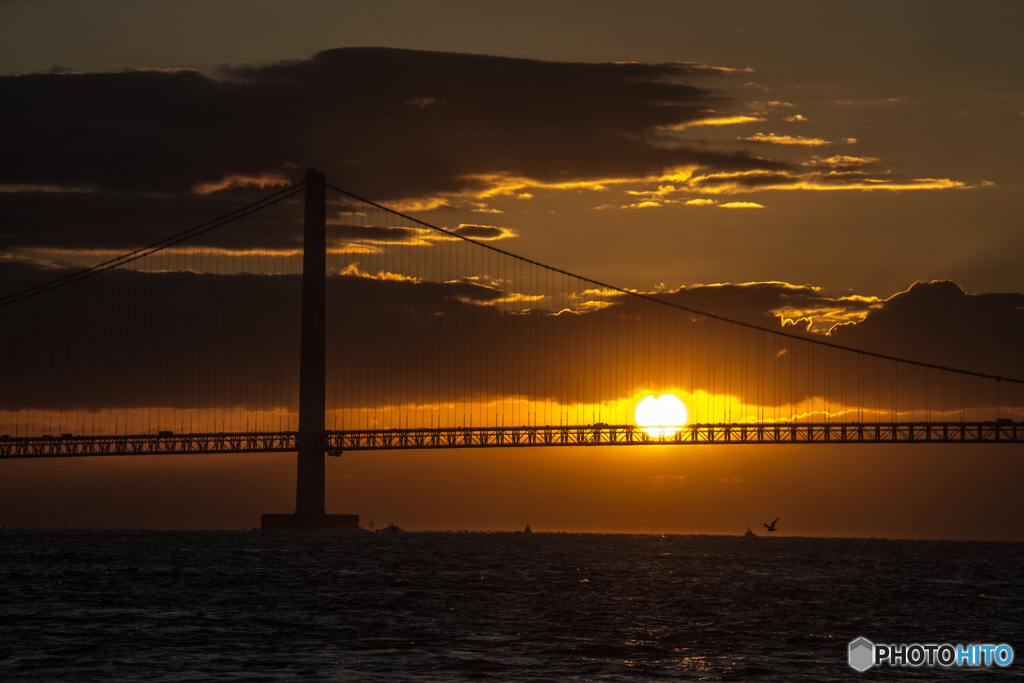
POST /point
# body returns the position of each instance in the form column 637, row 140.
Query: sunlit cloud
column 596, row 292
column 508, row 185
column 742, row 205
column 513, row 298
column 703, row 69
column 823, row 318
column 483, row 208
column 414, row 205
column 748, row 181
column 773, row 139
column 595, row 305
column 838, row 172
column 354, row 248
column 714, row 121
column 484, row 232
column 796, row 118
column 352, row 270
column 842, row 162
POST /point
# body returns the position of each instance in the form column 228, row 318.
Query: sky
column 798, row 160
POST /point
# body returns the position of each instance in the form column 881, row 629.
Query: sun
column 661, row 416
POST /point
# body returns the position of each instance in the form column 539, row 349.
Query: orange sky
column 955, row 492
column 821, row 158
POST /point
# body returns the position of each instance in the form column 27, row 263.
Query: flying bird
column 772, row 527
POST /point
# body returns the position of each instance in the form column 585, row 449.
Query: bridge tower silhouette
column 310, row 487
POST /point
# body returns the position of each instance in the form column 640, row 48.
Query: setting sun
column 661, row 416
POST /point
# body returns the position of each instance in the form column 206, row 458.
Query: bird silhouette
column 772, row 527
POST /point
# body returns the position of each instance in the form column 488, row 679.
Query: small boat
column 527, row 530
column 390, row 529
column 750, row 534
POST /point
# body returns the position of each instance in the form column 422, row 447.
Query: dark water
column 186, row 606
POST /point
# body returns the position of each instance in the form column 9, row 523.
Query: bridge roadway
column 1002, row 431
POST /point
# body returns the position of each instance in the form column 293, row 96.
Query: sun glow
column 661, row 416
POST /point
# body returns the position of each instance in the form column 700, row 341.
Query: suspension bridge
column 318, row 322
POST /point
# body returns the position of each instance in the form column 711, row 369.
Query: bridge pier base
column 309, row 522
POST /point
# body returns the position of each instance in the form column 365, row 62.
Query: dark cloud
column 764, row 303
column 111, row 220
column 354, row 234
column 937, row 322
column 136, row 143
column 196, row 341
column 932, row 322
column 483, row 232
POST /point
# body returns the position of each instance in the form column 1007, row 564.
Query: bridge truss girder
column 703, row 434
column 517, row 437
column 147, row 444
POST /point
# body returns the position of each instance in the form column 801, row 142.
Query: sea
column 449, row 606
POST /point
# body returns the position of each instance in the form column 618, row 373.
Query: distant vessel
column 750, row 534
column 527, row 530
column 391, row 528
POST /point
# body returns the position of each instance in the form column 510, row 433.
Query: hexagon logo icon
column 862, row 654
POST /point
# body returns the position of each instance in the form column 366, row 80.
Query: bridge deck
column 515, row 437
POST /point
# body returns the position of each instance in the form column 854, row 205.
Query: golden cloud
column 750, row 181
column 836, row 172
column 352, row 270
column 840, row 161
column 413, row 205
column 714, row 121
column 773, row 139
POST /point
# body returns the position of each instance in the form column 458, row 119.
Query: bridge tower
column 310, row 513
